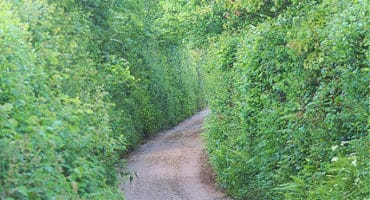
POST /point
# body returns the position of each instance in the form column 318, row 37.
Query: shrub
column 77, row 91
column 283, row 94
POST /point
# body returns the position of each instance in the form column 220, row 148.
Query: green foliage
column 81, row 82
column 285, row 89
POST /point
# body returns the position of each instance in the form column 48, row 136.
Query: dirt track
column 169, row 167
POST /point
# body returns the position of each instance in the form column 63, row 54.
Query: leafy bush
column 77, row 90
column 283, row 93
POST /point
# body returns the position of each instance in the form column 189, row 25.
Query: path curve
column 169, row 166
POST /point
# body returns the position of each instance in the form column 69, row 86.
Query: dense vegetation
column 287, row 84
column 84, row 81
column 81, row 82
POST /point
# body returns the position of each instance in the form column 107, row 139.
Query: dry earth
column 173, row 166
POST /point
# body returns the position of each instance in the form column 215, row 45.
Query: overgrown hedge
column 289, row 102
column 81, row 82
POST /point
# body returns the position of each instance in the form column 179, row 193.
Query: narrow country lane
column 169, row 166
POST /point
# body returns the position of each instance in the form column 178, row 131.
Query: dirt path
column 169, row 167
